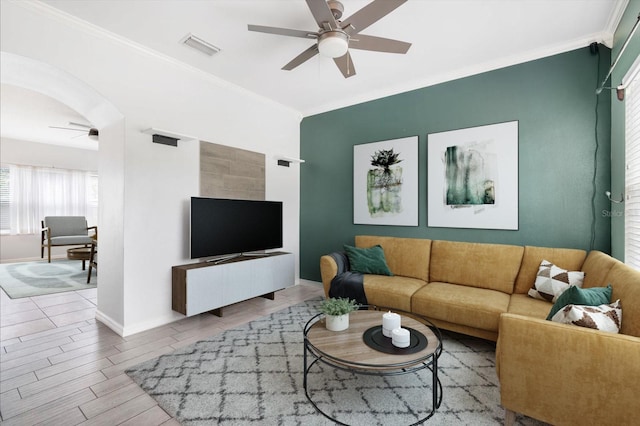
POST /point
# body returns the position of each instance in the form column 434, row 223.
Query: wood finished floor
column 59, row 366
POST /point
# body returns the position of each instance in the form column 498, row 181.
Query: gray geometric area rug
column 27, row 279
column 252, row 375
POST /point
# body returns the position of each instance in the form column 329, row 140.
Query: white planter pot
column 337, row 323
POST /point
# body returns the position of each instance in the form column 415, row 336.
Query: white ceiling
column 450, row 39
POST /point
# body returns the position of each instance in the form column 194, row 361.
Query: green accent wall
column 618, row 122
column 554, row 101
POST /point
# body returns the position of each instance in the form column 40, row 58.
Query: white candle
column 390, row 321
column 400, row 337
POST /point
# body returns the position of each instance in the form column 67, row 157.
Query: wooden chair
column 65, row 231
column 93, row 259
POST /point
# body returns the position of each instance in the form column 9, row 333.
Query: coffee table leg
column 434, row 377
column 304, row 367
column 437, row 386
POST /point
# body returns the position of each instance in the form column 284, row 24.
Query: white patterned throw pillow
column 552, row 281
column 607, row 317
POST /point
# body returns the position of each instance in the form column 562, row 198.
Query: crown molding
column 613, row 22
column 475, row 69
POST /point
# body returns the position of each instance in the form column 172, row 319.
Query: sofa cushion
column 461, row 304
column 569, row 259
column 552, row 281
column 577, row 296
column 391, row 292
column 522, row 304
column 367, row 260
column 607, row 317
column 408, row 257
column 489, row 266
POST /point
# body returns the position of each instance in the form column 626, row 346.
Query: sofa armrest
column 331, row 265
column 565, row 374
column 328, row 270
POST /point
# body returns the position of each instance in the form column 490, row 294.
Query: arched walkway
column 60, row 85
column 66, row 88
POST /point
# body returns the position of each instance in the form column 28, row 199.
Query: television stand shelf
column 208, row 287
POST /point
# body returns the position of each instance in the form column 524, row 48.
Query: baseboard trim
column 109, row 322
column 33, row 259
column 148, row 325
column 125, row 331
column 303, row 281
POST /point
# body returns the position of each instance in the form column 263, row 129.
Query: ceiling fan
column 334, row 36
column 87, row 129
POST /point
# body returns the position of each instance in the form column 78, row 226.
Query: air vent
column 200, row 45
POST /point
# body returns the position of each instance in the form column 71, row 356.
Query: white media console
column 208, row 287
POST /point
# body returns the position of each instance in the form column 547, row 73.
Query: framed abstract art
column 473, row 177
column 385, row 182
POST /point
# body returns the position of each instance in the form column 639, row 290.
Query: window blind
column 632, row 170
column 5, row 200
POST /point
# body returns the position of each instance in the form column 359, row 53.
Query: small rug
column 252, row 375
column 27, row 279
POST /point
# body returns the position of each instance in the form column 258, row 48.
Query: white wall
column 15, row 248
column 144, row 187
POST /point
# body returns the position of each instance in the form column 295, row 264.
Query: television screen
column 224, row 227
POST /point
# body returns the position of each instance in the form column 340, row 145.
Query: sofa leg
column 509, row 417
column 49, row 254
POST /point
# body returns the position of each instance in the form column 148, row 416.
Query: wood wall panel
column 227, row 172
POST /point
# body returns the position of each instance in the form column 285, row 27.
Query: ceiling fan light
column 333, row 44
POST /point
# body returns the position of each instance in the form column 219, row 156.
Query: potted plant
column 336, row 311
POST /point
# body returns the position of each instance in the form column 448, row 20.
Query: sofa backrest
column 596, row 267
column 408, row 257
column 569, row 259
column 492, row 266
column 602, row 270
column 66, row 225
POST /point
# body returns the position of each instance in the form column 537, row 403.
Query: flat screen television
column 229, row 227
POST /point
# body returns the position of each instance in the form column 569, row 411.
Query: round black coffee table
column 361, row 349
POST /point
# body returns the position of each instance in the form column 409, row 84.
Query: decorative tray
column 374, row 338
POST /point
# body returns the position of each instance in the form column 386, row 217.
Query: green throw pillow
column 367, row 260
column 593, row 296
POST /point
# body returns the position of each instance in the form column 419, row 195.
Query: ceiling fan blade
column 321, row 13
column 68, row 128
column 301, row 58
column 73, row 123
column 378, row 44
column 345, row 64
column 369, row 15
column 283, row 31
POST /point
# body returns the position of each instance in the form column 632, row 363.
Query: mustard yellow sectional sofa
column 561, row 374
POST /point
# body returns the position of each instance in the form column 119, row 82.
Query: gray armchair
column 65, row 231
